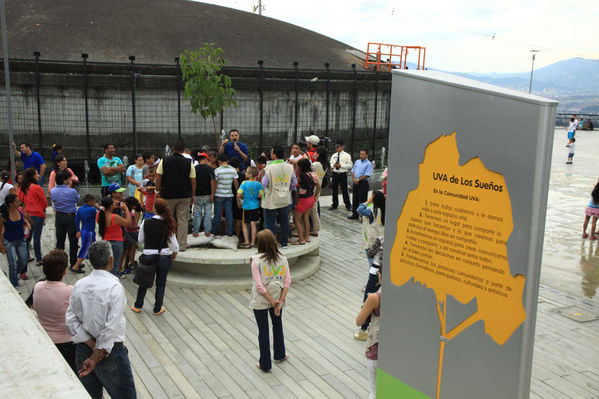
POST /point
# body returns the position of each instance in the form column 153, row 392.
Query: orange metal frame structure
column 378, row 51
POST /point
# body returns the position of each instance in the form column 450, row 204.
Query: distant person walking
column 176, row 183
column 96, row 321
column 31, row 158
column 234, row 148
column 270, row 272
column 340, row 164
column 110, row 167
column 360, row 173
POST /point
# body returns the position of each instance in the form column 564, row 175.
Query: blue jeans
column 223, row 204
column 278, row 344
column 162, row 268
column 369, row 258
column 202, row 204
column 117, row 249
column 17, row 256
column 280, row 215
column 65, row 225
column 36, row 233
column 113, row 373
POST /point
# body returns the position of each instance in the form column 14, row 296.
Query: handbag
column 146, row 270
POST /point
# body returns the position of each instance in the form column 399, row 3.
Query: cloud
column 457, row 34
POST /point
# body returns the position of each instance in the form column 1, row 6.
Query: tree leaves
column 208, row 90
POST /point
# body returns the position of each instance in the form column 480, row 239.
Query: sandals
column 297, row 243
column 161, row 311
column 245, row 246
column 315, row 234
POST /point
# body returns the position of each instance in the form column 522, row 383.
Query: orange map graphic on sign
column 451, row 238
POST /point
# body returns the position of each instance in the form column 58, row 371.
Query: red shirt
column 312, row 152
column 35, row 200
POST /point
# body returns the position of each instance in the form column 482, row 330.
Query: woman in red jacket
column 32, row 195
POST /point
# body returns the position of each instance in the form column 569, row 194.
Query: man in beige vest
column 278, row 181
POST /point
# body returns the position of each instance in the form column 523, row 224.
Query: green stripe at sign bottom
column 389, row 387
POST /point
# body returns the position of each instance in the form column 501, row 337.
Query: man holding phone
column 234, row 148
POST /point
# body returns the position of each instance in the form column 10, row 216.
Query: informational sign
column 467, row 192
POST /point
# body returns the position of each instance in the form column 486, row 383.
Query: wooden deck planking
column 205, row 345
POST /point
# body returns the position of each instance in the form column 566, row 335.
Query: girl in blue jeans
column 12, row 226
column 156, row 233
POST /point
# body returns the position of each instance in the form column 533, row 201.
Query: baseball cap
column 115, row 187
column 202, row 155
column 312, row 139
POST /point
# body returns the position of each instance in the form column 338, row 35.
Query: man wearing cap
column 205, row 189
column 311, row 143
column 176, row 183
column 115, row 191
column 234, row 148
column 110, row 168
column 340, row 164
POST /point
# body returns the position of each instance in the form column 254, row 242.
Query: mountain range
column 573, row 82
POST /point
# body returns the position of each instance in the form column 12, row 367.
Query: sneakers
column 24, row 276
column 361, row 335
column 195, row 234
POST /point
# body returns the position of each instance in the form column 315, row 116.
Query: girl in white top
column 272, row 280
column 5, row 187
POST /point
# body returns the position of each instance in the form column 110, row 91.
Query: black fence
column 83, row 105
column 589, row 121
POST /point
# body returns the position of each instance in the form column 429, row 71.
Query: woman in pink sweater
column 50, row 302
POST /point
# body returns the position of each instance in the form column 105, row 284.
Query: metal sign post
column 7, row 86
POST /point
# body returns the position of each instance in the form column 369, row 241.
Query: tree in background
column 208, row 90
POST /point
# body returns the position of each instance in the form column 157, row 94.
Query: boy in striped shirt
column 226, row 180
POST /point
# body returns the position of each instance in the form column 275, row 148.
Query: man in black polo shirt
column 176, row 183
column 205, row 189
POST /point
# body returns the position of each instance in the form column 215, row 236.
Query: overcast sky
column 459, row 35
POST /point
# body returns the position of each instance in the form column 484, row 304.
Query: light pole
column 11, row 153
column 534, row 53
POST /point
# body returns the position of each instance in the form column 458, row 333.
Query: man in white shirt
column 95, row 319
column 340, row 164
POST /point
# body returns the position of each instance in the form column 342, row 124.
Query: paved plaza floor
column 206, row 345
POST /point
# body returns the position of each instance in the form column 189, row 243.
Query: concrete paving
column 205, row 345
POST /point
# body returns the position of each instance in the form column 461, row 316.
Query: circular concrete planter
column 213, row 268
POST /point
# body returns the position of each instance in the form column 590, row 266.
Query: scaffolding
column 392, row 56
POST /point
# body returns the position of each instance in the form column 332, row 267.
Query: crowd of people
column 149, row 204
